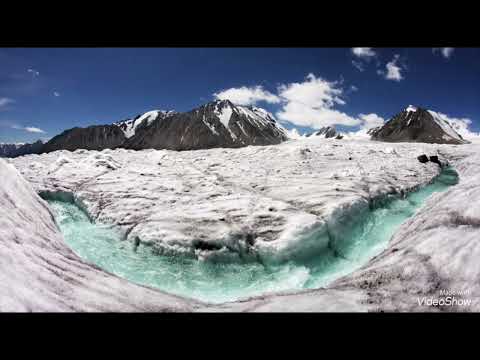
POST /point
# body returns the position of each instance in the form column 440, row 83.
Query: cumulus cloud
column 371, row 120
column 247, row 95
column 314, row 92
column 310, row 103
column 367, row 122
column 316, row 118
column 393, row 70
column 5, row 101
column 446, row 51
column 363, row 52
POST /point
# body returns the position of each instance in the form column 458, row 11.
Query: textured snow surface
column 282, row 198
column 411, row 108
column 272, row 200
column 38, row 272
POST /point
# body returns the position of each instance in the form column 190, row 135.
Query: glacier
column 270, row 203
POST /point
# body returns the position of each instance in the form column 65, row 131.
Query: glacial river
column 220, row 282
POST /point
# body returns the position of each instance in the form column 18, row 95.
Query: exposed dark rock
column 304, row 151
column 435, row 160
column 423, row 158
column 97, row 137
column 339, row 137
column 374, row 131
column 417, row 125
column 204, row 245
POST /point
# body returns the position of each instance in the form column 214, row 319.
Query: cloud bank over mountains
column 310, row 103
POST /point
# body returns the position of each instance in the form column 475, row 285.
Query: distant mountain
column 325, row 132
column 415, row 124
column 14, row 150
column 96, row 137
column 216, row 124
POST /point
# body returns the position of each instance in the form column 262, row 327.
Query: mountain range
column 223, row 124
column 14, row 150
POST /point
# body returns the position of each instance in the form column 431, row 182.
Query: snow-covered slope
column 449, row 131
column 130, row 126
column 39, row 272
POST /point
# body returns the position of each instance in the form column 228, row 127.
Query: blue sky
column 51, row 90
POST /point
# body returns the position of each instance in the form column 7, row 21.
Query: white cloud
column 371, row 120
column 4, row 102
column 313, row 92
column 446, row 51
column 358, row 65
column 363, row 52
column 393, row 70
column 33, row 72
column 56, row 94
column 311, row 103
column 312, row 117
column 34, row 130
column 363, row 55
column 368, row 121
column 28, row 129
column 294, row 134
column 247, row 95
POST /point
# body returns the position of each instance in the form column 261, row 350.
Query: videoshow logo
column 447, row 298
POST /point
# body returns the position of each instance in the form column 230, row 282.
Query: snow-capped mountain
column 216, row 124
column 14, row 150
column 130, row 126
column 415, row 124
column 326, row 132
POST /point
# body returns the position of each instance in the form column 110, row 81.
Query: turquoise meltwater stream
column 219, row 282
